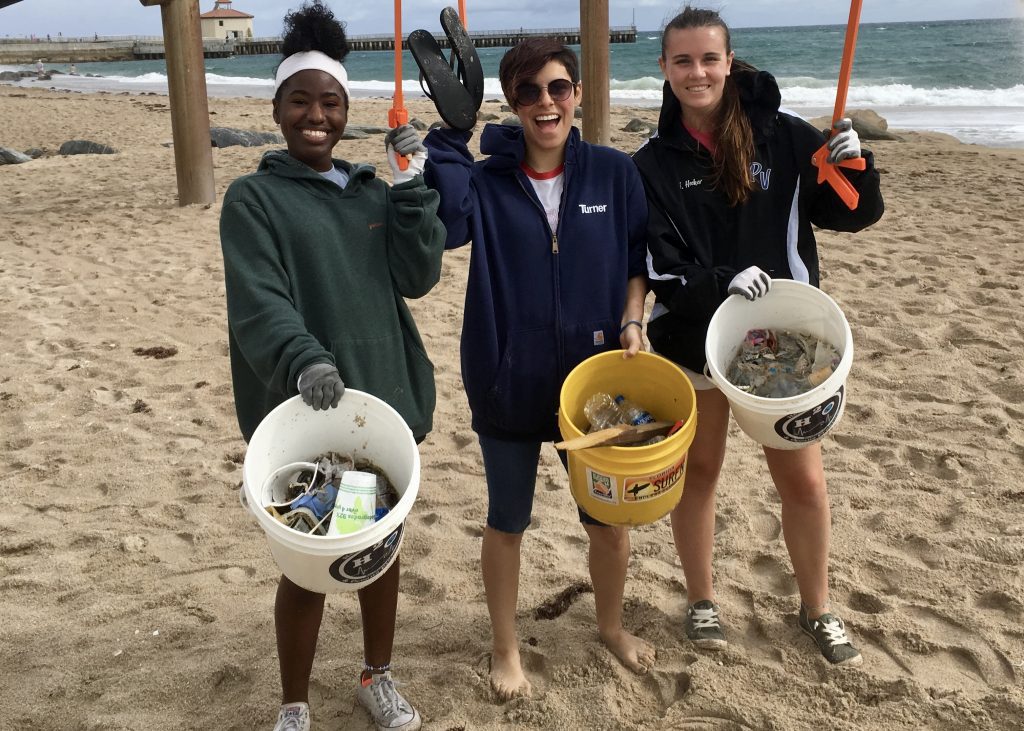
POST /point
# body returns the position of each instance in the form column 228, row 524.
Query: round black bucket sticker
column 810, row 425
column 355, row 568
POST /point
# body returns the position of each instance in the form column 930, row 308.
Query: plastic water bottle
column 602, row 412
column 631, row 413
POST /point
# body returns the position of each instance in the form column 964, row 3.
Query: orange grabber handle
column 827, row 172
column 462, row 13
column 398, row 114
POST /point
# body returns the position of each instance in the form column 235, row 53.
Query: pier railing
column 126, row 48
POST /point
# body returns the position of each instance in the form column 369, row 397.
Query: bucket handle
column 245, row 501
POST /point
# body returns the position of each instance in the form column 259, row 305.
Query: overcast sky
column 129, row 17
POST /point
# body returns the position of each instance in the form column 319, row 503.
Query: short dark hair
column 525, row 60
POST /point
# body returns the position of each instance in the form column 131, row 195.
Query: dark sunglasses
column 529, row 94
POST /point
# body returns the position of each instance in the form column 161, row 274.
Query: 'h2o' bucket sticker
column 638, row 489
column 355, row 568
column 811, row 424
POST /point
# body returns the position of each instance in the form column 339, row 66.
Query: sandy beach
column 135, row 592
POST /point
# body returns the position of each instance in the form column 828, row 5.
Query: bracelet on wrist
column 631, row 322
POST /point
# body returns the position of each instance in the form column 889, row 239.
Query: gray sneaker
column 829, row 634
column 293, row 717
column 704, row 625
column 390, row 711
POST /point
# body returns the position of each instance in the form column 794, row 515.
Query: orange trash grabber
column 398, row 114
column 462, row 13
column 827, row 172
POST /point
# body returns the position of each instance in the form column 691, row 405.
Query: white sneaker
column 390, row 711
column 293, row 717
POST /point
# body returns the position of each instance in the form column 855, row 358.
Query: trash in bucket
column 781, row 364
column 362, row 428
column 795, row 421
column 629, row 485
column 305, row 495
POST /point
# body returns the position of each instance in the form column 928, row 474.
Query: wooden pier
column 128, row 48
column 481, row 39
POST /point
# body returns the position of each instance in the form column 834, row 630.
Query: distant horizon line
column 639, row 29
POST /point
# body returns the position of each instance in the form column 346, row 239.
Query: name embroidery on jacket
column 761, row 174
column 584, row 208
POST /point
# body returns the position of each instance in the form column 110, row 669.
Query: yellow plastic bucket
column 629, row 485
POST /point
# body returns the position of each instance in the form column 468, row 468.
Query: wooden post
column 186, row 86
column 594, row 47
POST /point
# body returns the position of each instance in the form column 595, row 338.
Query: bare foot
column 636, row 654
column 507, row 677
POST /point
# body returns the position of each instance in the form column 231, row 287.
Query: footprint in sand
column 772, row 576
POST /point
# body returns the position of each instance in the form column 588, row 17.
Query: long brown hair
column 734, row 138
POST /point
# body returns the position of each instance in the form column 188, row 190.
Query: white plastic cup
column 796, row 421
column 363, row 427
column 356, row 504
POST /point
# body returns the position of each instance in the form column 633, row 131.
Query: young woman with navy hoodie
column 733, row 198
column 557, row 274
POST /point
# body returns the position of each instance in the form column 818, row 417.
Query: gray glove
column 404, row 141
column 752, row 283
column 845, row 143
column 321, row 386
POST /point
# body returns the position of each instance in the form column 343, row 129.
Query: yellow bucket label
column 602, row 487
column 638, row 489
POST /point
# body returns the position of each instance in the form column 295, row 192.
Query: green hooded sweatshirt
column 317, row 274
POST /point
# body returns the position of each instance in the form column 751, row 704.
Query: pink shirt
column 703, row 138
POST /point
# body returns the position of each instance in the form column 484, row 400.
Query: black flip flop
column 470, row 71
column 456, row 94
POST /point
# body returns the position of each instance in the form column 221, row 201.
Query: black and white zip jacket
column 697, row 242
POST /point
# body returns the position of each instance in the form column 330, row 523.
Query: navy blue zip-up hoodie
column 538, row 302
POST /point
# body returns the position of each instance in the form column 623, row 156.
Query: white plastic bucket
column 363, row 427
column 795, row 421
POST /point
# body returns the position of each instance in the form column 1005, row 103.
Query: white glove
column 404, row 141
column 845, row 144
column 752, row 283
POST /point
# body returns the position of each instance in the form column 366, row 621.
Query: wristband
column 631, row 322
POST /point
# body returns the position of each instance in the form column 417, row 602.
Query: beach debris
column 12, row 157
column 781, row 363
column 141, row 407
column 158, row 352
column 230, row 137
column 559, row 604
column 305, row 499
column 85, row 147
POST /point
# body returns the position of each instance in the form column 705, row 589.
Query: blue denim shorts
column 511, row 469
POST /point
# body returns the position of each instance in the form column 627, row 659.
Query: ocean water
column 964, row 78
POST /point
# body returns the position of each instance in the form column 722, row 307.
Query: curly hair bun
column 313, row 27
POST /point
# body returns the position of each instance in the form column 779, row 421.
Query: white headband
column 311, row 60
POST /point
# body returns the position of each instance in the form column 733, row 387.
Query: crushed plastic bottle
column 633, row 413
column 602, row 412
